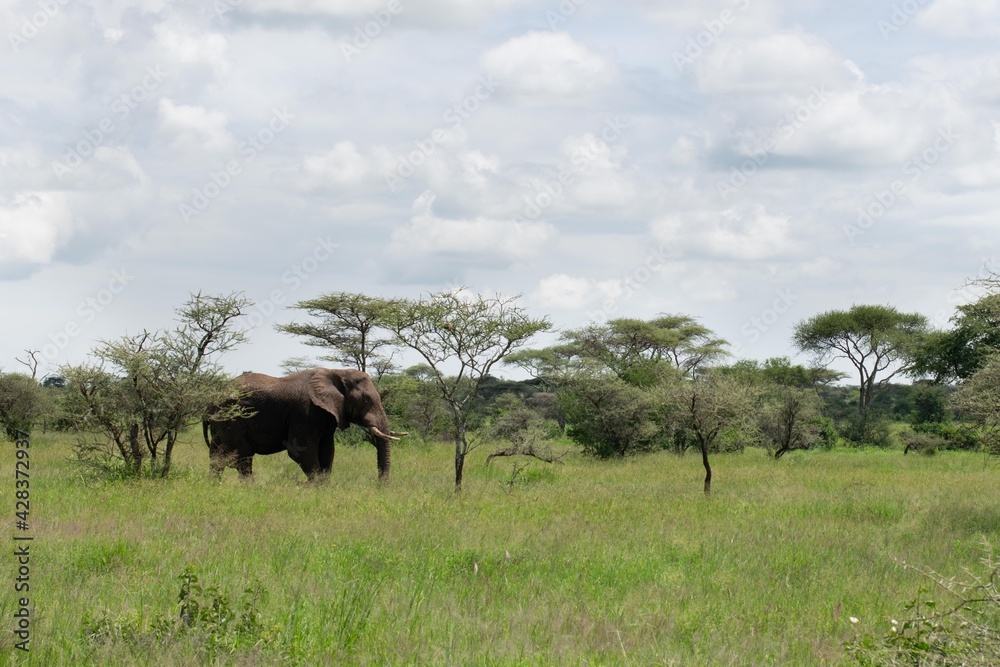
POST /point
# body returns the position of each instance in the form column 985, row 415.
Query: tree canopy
column 948, row 356
column 143, row 389
column 633, row 348
column 461, row 336
column 348, row 325
column 879, row 341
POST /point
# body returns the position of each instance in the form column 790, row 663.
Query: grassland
column 594, row 563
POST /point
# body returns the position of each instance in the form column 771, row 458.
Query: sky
column 751, row 163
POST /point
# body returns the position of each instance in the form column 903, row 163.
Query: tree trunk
column 136, row 448
column 459, row 464
column 708, row 468
column 165, row 470
column 460, row 447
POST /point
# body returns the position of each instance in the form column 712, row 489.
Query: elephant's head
column 351, row 397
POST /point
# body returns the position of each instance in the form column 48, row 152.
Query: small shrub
column 610, row 418
column 21, row 403
column 735, row 439
column 207, row 616
column 925, row 443
column 962, row 631
column 955, row 436
column 826, row 431
column 930, row 403
column 867, row 430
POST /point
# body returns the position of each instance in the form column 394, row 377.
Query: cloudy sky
column 748, row 162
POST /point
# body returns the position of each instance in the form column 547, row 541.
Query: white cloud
column 784, row 62
column 747, row 235
column 547, row 67
column 448, row 13
column 570, row 292
column 186, row 44
column 961, row 18
column 690, row 19
column 342, row 167
column 599, row 176
column 33, row 226
column 491, row 241
column 196, row 129
column 685, row 151
column 841, row 119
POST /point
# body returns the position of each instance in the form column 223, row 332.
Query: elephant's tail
column 204, row 432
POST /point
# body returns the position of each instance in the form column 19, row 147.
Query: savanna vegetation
column 578, row 536
column 586, row 561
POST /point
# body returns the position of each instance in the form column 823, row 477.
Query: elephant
column 299, row 413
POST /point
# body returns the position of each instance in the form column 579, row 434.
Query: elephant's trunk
column 381, row 438
column 384, row 455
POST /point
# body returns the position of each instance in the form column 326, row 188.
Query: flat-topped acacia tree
column 350, row 324
column 879, row 341
column 461, row 336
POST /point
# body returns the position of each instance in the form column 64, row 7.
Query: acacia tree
column 707, row 405
column 633, row 348
column 788, row 419
column 21, row 403
column 609, row 417
column 144, row 389
column 978, row 399
column 348, row 324
column 470, row 331
column 949, row 356
column 780, row 372
column 878, row 341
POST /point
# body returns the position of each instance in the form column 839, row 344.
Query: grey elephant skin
column 299, row 413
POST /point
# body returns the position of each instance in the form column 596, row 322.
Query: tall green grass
column 620, row 562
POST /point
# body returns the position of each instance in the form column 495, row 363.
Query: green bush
column 963, row 630
column 207, row 617
column 610, row 417
column 827, row 432
column 955, row 436
column 21, row 403
column 867, row 430
column 925, row 443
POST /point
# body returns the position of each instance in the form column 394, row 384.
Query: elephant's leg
column 325, row 456
column 309, row 462
column 245, row 467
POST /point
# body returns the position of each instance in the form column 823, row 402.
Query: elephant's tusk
column 391, row 432
column 380, row 434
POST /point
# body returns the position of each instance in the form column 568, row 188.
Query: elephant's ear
column 326, row 395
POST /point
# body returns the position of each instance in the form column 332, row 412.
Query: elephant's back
column 265, row 389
